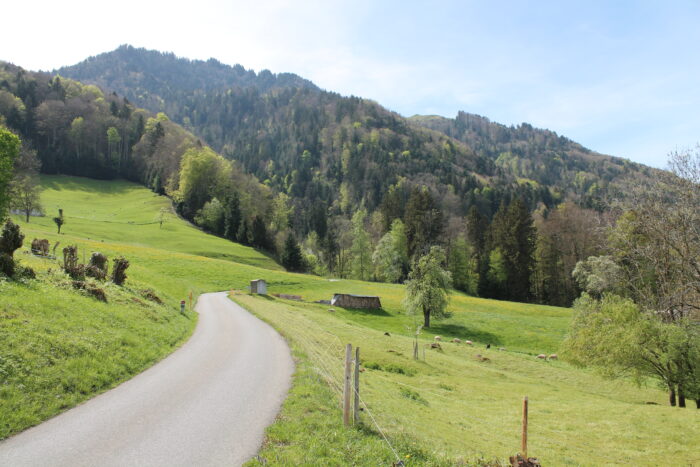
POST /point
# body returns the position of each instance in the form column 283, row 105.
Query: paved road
column 205, row 405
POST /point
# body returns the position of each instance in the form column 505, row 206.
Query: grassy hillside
column 128, row 213
column 450, row 406
column 453, row 405
column 119, row 218
column 59, row 347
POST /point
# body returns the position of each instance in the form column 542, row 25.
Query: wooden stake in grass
column 356, row 406
column 346, row 392
column 523, row 446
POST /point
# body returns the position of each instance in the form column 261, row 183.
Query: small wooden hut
column 344, row 300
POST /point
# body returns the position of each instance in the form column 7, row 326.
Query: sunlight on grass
column 466, row 407
column 60, row 347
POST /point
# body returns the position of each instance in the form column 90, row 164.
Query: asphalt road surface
column 207, row 404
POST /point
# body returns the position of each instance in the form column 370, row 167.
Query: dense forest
column 347, row 187
column 74, row 129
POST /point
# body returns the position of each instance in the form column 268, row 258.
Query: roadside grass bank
column 59, row 347
column 462, row 407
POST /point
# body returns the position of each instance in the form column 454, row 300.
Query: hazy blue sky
column 621, row 78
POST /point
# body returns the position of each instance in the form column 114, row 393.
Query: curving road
column 207, row 404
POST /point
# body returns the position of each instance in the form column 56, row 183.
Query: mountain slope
column 340, row 165
column 135, row 73
column 310, row 143
column 76, row 129
column 537, row 154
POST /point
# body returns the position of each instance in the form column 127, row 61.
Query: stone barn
column 344, row 300
column 258, row 286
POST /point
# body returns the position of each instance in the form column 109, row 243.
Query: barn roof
column 356, row 296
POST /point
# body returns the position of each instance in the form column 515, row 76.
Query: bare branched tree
column 657, row 239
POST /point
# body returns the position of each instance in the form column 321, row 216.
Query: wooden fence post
column 524, row 439
column 356, row 407
column 346, row 392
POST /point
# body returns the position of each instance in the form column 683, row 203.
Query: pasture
column 443, row 408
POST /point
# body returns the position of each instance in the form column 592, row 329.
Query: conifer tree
column 232, row 217
column 292, row 259
column 361, row 249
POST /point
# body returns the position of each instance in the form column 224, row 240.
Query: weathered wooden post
column 356, row 406
column 523, row 446
column 346, row 392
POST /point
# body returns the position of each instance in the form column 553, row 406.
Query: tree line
column 640, row 313
column 318, row 214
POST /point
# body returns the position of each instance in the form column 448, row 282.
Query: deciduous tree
column 9, row 151
column 427, row 288
column 25, row 195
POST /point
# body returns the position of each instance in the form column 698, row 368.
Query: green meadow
column 58, row 348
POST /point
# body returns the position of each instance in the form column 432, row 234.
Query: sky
column 619, row 77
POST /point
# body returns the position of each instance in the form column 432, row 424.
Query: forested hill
column 320, row 147
column 67, row 127
column 350, row 178
column 535, row 154
column 152, row 79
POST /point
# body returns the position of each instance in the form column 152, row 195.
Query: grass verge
column 455, row 408
column 60, row 347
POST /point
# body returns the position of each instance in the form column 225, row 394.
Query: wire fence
column 325, row 351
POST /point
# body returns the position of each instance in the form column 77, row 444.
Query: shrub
column 7, row 265
column 97, row 267
column 11, row 239
column 25, row 272
column 91, row 290
column 97, row 293
column 413, row 395
column 150, row 295
column 70, row 263
column 119, row 270
column 398, row 369
column 40, row 247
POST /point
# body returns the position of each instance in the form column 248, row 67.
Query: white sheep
column 456, row 341
column 469, row 342
column 438, row 338
column 553, row 356
column 542, row 357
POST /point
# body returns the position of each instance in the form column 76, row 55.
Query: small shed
column 344, row 300
column 258, row 286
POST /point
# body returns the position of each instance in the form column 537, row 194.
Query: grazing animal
column 482, row 358
column 542, row 357
column 502, row 349
column 553, row 356
column 438, row 338
column 469, row 342
column 488, row 346
column 456, row 341
column 331, row 310
column 435, row 345
column 387, row 334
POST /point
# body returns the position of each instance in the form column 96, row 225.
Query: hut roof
column 357, row 296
